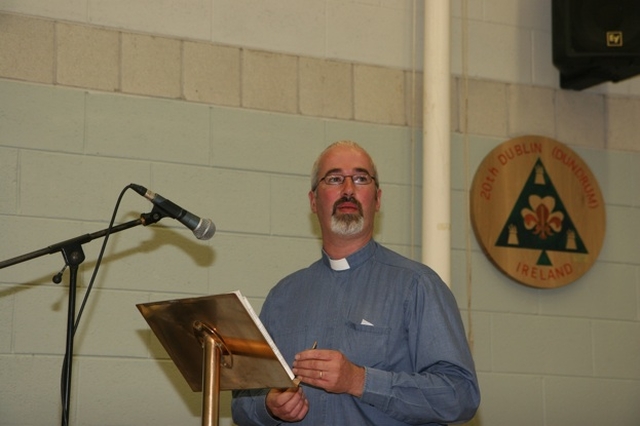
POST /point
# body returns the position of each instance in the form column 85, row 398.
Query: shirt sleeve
column 443, row 388
column 248, row 407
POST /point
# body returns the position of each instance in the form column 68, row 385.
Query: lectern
column 218, row 343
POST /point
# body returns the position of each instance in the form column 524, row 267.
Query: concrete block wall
column 222, row 106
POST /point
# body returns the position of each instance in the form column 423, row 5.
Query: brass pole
column 210, row 381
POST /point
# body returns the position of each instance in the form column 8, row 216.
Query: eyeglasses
column 336, row 179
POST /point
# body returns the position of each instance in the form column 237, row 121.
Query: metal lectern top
column 249, row 358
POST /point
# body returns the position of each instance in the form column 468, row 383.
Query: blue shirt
column 387, row 313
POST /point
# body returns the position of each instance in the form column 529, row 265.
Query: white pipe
column 436, row 136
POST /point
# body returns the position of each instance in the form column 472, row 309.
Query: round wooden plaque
column 538, row 212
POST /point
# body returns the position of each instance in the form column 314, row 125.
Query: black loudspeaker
column 595, row 41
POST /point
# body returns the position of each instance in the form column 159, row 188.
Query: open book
column 250, row 358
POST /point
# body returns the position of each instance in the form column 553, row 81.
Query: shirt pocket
column 366, row 345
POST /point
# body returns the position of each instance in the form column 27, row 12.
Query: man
column 391, row 345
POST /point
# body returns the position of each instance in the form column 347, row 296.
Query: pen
column 296, row 380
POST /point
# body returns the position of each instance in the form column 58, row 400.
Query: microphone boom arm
column 145, row 219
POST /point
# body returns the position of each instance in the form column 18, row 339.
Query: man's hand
column 329, row 370
column 289, row 405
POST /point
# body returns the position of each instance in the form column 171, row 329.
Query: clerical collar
column 352, row 261
column 339, row 264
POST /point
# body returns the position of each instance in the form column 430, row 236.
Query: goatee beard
column 348, row 223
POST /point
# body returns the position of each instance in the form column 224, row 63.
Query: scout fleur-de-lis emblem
column 541, row 219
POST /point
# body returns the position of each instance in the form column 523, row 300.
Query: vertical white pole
column 436, row 136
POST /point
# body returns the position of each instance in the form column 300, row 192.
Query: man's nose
column 348, row 187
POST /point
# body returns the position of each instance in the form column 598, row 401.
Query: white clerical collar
column 339, row 264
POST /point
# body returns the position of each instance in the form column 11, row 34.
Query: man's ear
column 312, row 201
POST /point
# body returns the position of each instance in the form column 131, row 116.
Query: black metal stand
column 73, row 256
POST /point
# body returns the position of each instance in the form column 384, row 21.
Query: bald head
column 315, row 171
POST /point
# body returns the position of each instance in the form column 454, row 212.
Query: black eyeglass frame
column 344, row 177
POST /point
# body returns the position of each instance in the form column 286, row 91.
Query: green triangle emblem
column 539, row 220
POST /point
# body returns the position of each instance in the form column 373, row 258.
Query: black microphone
column 203, row 229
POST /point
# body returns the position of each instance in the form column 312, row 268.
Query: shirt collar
column 352, row 261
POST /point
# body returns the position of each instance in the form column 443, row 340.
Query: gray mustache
column 342, row 200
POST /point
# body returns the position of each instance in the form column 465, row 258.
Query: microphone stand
column 73, row 256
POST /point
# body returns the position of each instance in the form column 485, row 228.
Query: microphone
column 203, row 229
